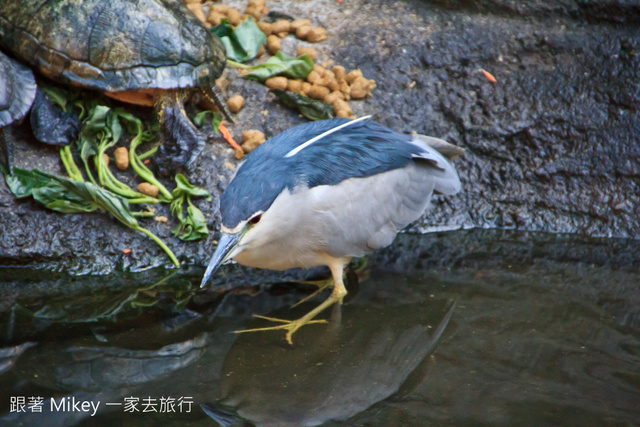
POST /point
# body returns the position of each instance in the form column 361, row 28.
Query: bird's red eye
column 255, row 219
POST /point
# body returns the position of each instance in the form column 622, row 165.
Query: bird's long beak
column 226, row 245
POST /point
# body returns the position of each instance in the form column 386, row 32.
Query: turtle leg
column 182, row 141
column 6, row 141
column 213, row 96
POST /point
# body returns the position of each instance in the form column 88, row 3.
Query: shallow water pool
column 469, row 327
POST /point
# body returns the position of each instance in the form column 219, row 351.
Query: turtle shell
column 113, row 45
column 17, row 90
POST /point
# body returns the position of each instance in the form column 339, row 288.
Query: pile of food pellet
column 331, row 85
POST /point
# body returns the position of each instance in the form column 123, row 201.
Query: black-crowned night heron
column 324, row 192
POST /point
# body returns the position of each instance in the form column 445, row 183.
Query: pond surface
column 467, row 327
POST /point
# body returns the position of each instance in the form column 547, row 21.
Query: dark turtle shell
column 17, row 90
column 113, row 45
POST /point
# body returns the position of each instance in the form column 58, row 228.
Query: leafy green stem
column 161, row 244
column 136, row 162
column 235, row 64
column 147, row 154
column 142, row 214
column 69, row 164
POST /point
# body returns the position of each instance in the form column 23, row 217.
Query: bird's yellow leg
column 291, row 326
column 320, row 284
column 360, row 265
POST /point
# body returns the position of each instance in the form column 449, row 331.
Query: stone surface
column 551, row 146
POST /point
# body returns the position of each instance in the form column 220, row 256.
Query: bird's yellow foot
column 291, row 326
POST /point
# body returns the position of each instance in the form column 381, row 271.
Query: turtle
column 17, row 92
column 20, row 94
column 144, row 52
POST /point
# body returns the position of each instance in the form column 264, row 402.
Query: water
column 473, row 327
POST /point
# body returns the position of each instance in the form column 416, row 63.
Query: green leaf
column 56, row 95
column 193, row 226
column 184, row 187
column 310, row 108
column 249, row 37
column 64, row 195
column 96, row 122
column 23, row 182
column 216, row 119
column 114, row 126
column 66, row 206
column 281, row 64
column 131, row 122
column 243, row 43
column 223, row 30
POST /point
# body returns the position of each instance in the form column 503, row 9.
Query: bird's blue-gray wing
column 364, row 214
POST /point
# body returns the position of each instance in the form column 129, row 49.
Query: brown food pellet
column 281, row 26
column 294, row 86
column 352, row 76
column 260, row 4
column 251, row 145
column 121, row 155
column 339, row 71
column 148, row 189
column 299, row 23
column 234, row 16
column 316, row 35
column 260, row 52
column 196, row 8
column 313, row 77
column 303, row 32
column 318, row 92
column 251, row 134
column 326, row 77
column 344, row 88
column 329, row 99
column 265, row 27
column 238, row 153
column 361, row 87
column 215, row 18
column 221, row 8
column 273, row 44
column 343, row 113
column 340, row 104
column 306, row 87
column 254, row 12
column 311, row 52
column 161, row 218
column 251, row 139
column 277, row 83
column 319, row 69
column 333, row 85
column 235, row 103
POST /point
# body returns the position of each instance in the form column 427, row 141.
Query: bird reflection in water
column 379, row 347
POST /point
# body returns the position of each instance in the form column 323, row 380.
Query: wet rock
column 551, row 145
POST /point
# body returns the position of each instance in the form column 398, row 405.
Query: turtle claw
column 213, row 96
